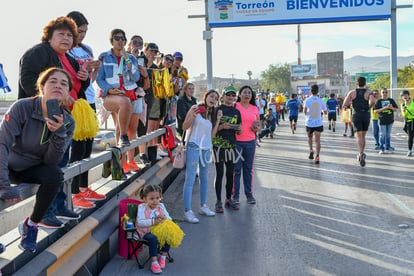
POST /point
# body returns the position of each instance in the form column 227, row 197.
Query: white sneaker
column 205, row 211
column 162, row 153
column 381, row 152
column 189, row 216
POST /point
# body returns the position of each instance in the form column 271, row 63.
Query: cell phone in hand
column 234, row 126
column 201, row 109
column 53, row 108
column 140, row 61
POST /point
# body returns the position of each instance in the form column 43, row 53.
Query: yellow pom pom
column 86, row 123
column 168, row 232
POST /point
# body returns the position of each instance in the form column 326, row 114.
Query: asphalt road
column 335, row 218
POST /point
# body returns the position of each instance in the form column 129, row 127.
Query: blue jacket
column 108, row 77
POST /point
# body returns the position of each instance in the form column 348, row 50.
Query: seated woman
column 117, row 78
column 32, row 145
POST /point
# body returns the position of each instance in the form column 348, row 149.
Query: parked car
column 104, row 140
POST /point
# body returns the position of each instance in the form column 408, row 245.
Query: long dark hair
column 211, row 112
column 252, row 100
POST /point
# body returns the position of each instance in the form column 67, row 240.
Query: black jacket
column 35, row 61
column 183, row 106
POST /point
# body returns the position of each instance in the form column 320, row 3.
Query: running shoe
column 333, row 129
column 409, row 153
column 65, row 213
column 251, row 199
column 377, row 146
column 329, row 127
column 361, row 159
column 156, row 268
column 80, row 202
column 161, row 261
column 133, row 166
column 317, row 159
column 124, row 141
column 126, row 168
column 219, row 207
column 91, row 195
column 51, row 222
column 190, row 217
column 29, row 236
column 311, row 154
column 205, row 211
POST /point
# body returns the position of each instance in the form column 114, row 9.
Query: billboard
column 369, row 76
column 303, row 70
column 330, row 63
column 229, row 13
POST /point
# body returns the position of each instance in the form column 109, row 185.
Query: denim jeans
column 375, row 131
column 153, row 245
column 245, row 152
column 195, row 157
column 385, row 136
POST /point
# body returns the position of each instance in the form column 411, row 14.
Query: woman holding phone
column 82, row 53
column 201, row 124
column 246, row 143
column 32, row 147
column 117, row 78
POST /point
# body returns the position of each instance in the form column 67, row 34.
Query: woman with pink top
column 246, row 143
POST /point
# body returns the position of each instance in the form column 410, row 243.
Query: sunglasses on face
column 169, row 59
column 137, row 42
column 231, row 94
column 118, row 38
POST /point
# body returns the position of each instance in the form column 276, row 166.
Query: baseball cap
column 178, row 55
column 230, row 89
column 152, row 47
column 405, row 92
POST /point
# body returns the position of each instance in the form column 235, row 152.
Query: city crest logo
column 223, row 9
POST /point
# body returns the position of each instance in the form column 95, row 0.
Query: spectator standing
column 202, row 124
column 385, row 108
column 184, row 103
column 224, row 148
column 314, row 106
column 374, row 119
column 246, row 144
column 407, row 109
column 81, row 149
column 32, row 145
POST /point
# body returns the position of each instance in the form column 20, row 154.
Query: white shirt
column 315, row 106
column 200, row 132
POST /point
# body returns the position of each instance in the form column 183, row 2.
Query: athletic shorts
column 155, row 112
column 293, row 118
column 360, row 120
column 311, row 130
column 332, row 117
column 137, row 105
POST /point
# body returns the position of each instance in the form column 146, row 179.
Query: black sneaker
column 219, row 207
column 145, row 159
column 51, row 222
column 251, row 199
column 329, row 127
column 124, row 141
column 361, row 158
column 236, row 199
column 311, row 154
column 333, row 129
column 29, row 236
column 67, row 214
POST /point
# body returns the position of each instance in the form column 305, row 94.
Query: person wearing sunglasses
column 385, row 108
column 33, row 143
column 224, row 144
column 118, row 77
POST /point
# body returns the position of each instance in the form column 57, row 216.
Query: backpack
column 161, row 84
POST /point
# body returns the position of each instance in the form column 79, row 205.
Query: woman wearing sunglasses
column 117, row 78
column 33, row 144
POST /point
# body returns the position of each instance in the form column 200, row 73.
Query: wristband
column 128, row 61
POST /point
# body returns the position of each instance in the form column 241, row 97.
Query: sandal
column 10, row 194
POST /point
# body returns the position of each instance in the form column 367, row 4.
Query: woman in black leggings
column 407, row 109
column 224, row 145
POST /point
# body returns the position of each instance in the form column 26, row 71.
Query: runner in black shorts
column 362, row 100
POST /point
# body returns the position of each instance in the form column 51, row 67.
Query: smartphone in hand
column 140, row 61
column 201, row 109
column 53, row 108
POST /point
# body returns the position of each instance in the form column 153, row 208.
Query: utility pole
column 207, row 36
column 299, row 46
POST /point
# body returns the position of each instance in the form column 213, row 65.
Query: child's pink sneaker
column 155, row 268
column 161, row 261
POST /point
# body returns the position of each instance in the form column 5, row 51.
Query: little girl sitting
column 152, row 212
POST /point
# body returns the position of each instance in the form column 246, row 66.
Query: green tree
column 405, row 79
column 276, row 77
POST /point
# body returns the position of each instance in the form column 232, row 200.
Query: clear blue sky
column 235, row 50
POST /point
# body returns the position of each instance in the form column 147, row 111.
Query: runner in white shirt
column 313, row 108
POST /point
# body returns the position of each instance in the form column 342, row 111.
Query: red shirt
column 76, row 81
